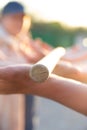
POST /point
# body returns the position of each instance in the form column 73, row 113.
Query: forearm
column 67, row 92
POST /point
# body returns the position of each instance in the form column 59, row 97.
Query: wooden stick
column 40, row 71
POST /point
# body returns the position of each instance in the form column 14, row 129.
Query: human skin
column 12, row 23
column 68, row 70
column 70, row 93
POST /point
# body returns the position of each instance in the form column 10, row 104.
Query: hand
column 68, row 70
column 15, row 79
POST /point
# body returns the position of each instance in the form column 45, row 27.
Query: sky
column 70, row 12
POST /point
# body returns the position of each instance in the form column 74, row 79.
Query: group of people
column 17, row 52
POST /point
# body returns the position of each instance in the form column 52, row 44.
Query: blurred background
column 59, row 23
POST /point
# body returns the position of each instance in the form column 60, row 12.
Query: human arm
column 73, row 94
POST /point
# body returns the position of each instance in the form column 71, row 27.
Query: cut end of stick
column 39, row 73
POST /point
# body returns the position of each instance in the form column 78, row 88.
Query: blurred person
column 12, row 110
column 16, row 47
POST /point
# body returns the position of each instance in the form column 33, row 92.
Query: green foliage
column 55, row 34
